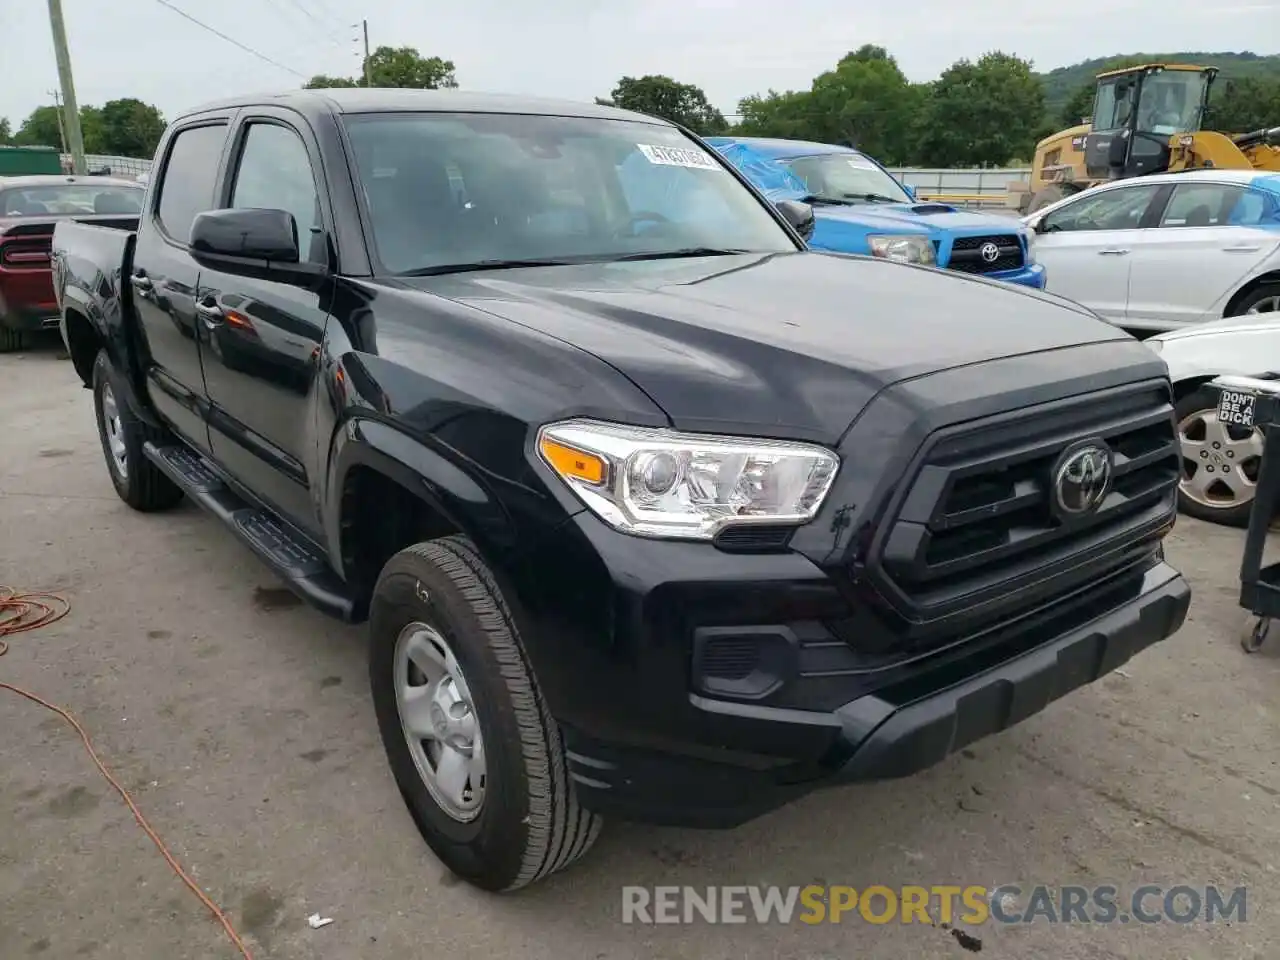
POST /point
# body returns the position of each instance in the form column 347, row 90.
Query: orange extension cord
column 22, row 612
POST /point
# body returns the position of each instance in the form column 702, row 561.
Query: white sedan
column 1161, row 252
column 1219, row 462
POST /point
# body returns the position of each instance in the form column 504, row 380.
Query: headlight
column 908, row 249
column 660, row 483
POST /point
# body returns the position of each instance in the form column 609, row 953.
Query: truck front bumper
column 618, row 630
column 1031, row 275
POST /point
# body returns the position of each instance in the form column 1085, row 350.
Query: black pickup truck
column 653, row 513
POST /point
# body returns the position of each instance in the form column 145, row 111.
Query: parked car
column 29, row 208
column 1219, row 461
column 1161, row 252
column 646, row 518
column 859, row 207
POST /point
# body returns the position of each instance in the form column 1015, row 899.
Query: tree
column 1245, row 105
column 91, row 129
column 6, row 133
column 395, row 67
column 1079, row 106
column 981, row 113
column 788, row 115
column 128, row 128
column 661, row 96
column 40, row 129
column 863, row 103
column 320, row 81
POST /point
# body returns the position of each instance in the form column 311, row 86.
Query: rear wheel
column 1051, row 194
column 474, row 751
column 137, row 480
column 1265, row 299
column 1220, row 462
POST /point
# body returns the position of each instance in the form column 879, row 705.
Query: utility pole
column 72, row 123
column 62, row 126
column 365, row 25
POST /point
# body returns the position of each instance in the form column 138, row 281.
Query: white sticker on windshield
column 678, row 157
column 860, row 163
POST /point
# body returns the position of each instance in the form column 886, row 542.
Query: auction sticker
column 677, row 157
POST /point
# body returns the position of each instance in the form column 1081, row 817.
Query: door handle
column 1253, row 249
column 141, row 282
column 1113, row 252
column 210, row 313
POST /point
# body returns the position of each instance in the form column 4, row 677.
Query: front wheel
column 474, row 751
column 1265, row 299
column 1220, row 462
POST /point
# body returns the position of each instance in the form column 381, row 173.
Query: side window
column 1201, row 205
column 274, row 173
column 190, row 174
column 1120, row 209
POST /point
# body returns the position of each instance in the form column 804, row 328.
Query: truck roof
column 396, row 100
column 53, row 180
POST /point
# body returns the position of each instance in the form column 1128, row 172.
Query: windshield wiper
column 814, row 199
column 683, row 252
column 873, row 197
column 444, row 268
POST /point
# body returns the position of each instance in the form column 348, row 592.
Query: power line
column 231, row 40
column 319, row 24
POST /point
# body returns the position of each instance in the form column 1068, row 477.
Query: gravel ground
column 241, row 723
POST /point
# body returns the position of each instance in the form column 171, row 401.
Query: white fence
column 976, row 185
column 126, row 167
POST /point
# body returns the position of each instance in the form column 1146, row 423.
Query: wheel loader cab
column 1136, row 113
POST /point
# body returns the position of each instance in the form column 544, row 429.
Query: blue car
column 860, row 208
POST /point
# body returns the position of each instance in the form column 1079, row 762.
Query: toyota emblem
column 1082, row 479
column 989, row 252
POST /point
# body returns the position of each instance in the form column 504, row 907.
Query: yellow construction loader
column 1146, row 119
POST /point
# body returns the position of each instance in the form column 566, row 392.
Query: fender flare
column 428, row 473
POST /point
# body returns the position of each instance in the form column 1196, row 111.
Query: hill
column 1061, row 83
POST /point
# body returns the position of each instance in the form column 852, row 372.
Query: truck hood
column 787, row 345
column 934, row 219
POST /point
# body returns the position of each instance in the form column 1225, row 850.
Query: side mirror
column 249, row 241
column 799, row 215
column 911, row 192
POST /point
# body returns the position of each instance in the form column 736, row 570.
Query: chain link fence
column 125, row 167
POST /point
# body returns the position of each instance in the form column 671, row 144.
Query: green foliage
column 661, row 96
column 981, row 113
column 395, row 67
column 6, row 132
column 40, row 129
column 124, row 128
column 987, row 113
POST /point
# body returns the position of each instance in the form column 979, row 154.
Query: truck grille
column 967, row 254
column 976, row 526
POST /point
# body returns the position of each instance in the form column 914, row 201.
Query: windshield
column 73, row 199
column 1170, row 102
column 847, row 177
column 448, row 191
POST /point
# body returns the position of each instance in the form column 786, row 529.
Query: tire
column 1051, row 194
column 1197, row 417
column 1264, row 300
column 11, row 340
column 137, row 480
column 440, row 596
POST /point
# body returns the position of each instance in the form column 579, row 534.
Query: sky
column 576, row 49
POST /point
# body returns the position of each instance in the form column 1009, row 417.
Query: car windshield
column 459, row 191
column 71, row 199
column 847, row 178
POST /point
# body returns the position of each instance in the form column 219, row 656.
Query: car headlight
column 908, row 249
column 689, row 486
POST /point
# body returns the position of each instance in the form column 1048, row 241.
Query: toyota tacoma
column 652, row 512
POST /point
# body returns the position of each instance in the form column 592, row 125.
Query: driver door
column 1086, row 246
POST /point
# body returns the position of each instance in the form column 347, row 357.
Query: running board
column 295, row 559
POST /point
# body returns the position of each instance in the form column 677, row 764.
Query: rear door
column 165, row 276
column 262, row 336
column 1086, row 246
column 1202, row 249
